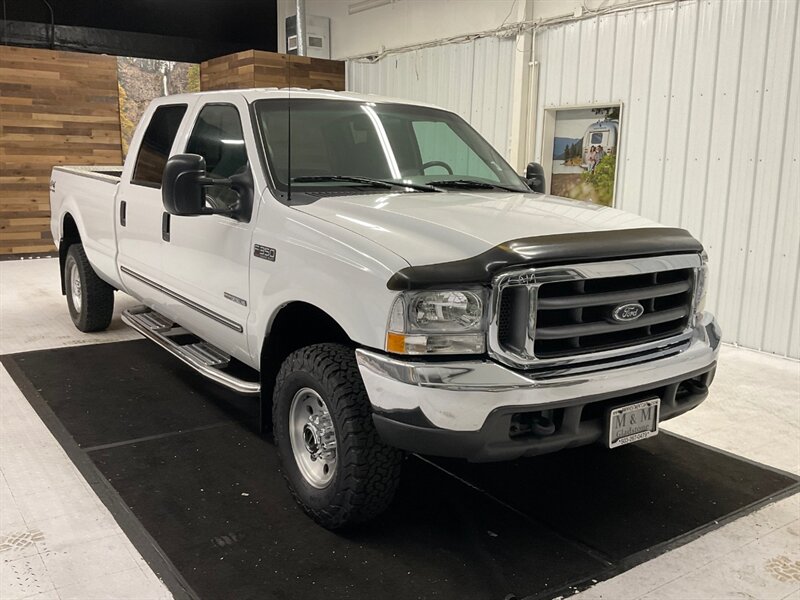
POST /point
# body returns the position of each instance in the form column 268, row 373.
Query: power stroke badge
column 236, row 299
column 264, row 252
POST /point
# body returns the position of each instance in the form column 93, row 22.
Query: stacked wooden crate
column 254, row 68
column 55, row 108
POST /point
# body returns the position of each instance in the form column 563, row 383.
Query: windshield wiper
column 471, row 183
column 382, row 183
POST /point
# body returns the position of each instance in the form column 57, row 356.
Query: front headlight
column 437, row 322
column 701, row 286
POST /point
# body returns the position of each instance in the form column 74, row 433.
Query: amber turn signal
column 395, row 342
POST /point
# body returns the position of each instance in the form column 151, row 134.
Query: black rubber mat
column 186, row 464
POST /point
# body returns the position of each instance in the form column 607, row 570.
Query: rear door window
column 156, row 144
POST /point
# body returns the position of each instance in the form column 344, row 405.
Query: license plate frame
column 625, row 417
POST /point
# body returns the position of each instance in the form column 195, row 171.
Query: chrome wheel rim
column 313, row 437
column 75, row 287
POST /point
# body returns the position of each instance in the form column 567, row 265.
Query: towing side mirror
column 534, row 177
column 181, row 185
column 183, row 193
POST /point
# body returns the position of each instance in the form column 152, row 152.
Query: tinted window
column 217, row 137
column 382, row 141
column 156, row 144
column 440, row 148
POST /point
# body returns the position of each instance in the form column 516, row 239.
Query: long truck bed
column 94, row 190
column 111, row 174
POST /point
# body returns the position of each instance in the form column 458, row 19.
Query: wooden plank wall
column 55, row 108
column 254, row 68
column 63, row 108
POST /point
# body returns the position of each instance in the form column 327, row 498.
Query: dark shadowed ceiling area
column 171, row 29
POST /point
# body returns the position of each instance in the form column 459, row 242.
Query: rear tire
column 90, row 299
column 320, row 407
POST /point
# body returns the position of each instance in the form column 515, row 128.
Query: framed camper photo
column 581, row 148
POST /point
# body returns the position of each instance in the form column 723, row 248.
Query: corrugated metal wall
column 711, row 110
column 472, row 79
column 709, row 139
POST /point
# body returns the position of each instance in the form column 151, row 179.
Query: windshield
column 335, row 142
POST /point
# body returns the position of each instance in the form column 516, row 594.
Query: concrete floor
column 58, row 541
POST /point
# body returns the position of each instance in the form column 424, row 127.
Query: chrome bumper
column 460, row 396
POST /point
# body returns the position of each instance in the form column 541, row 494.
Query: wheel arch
column 70, row 235
column 295, row 325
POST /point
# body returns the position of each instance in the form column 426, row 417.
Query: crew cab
column 379, row 278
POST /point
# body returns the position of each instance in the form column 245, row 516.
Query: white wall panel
column 734, row 243
column 472, row 79
column 678, row 132
column 602, row 80
column 775, row 152
column 710, row 90
column 397, row 24
column 588, row 57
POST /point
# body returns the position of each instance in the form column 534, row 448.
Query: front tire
column 90, row 299
column 337, row 468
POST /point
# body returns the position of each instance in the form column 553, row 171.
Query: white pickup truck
column 383, row 282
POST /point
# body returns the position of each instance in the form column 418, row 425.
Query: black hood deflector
column 547, row 250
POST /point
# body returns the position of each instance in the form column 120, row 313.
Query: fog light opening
column 691, row 388
column 538, row 424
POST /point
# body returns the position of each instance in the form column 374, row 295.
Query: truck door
column 139, row 207
column 206, row 258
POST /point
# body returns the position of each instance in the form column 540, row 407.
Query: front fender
column 339, row 272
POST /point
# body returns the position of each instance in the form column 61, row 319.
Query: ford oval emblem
column 627, row 312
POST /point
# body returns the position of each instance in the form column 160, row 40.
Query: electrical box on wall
column 318, row 36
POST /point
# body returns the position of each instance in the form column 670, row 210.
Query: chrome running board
column 206, row 359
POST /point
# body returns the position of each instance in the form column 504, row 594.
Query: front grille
column 575, row 317
column 573, row 312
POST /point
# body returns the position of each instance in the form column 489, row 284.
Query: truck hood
column 426, row 228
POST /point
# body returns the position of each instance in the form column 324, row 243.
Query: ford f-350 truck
column 378, row 277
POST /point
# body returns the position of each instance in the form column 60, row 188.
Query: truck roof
column 252, row 94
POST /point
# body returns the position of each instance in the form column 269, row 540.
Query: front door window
column 217, row 137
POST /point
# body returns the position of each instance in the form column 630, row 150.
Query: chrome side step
column 203, row 357
column 207, row 354
column 155, row 322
